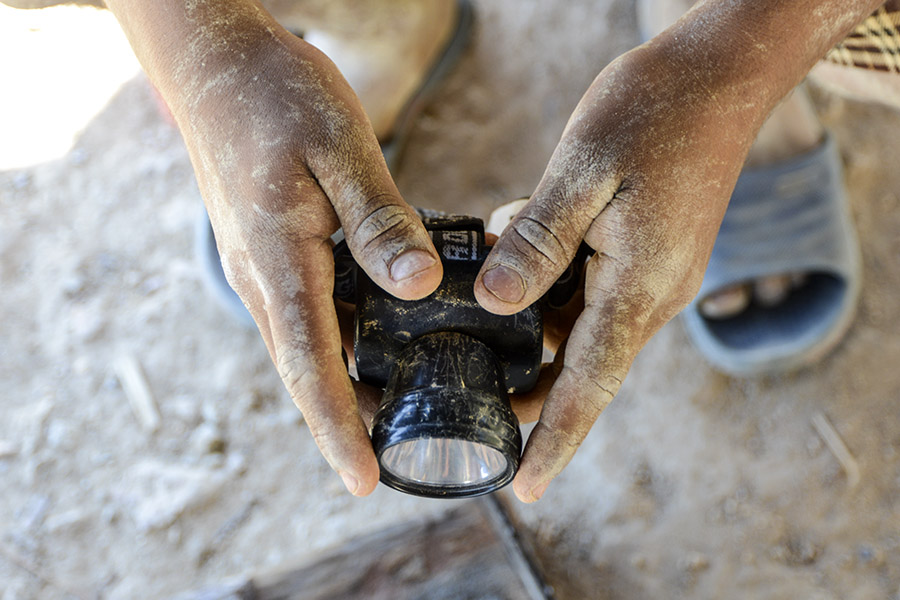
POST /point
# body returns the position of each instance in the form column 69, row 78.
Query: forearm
column 187, row 47
column 753, row 52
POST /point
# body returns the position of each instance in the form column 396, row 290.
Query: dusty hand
column 643, row 174
column 285, row 155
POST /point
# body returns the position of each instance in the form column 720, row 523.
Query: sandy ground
column 691, row 485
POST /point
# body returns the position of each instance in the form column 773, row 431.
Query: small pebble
column 207, row 439
column 694, row 562
column 69, row 520
column 78, row 156
column 8, row 449
column 639, row 561
column 59, row 435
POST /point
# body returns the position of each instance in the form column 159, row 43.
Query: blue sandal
column 791, row 217
column 205, row 248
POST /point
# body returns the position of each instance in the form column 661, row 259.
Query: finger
column 535, row 248
column 599, row 352
column 385, row 235
column 570, row 409
column 286, row 281
column 558, row 324
column 528, row 406
column 306, row 348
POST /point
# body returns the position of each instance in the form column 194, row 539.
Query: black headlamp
column 445, row 427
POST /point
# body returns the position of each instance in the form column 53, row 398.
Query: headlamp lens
column 441, row 461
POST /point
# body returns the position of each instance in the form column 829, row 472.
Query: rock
column 207, row 439
column 109, row 514
column 236, row 463
column 8, row 449
column 210, row 412
column 185, row 408
column 694, row 562
column 85, row 322
column 73, row 285
column 75, row 518
column 151, row 284
column 796, row 551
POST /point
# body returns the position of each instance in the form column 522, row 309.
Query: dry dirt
column 692, row 485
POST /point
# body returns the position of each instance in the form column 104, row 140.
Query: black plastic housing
column 447, row 364
column 447, row 385
column 384, row 325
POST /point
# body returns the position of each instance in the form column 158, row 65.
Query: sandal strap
column 791, row 217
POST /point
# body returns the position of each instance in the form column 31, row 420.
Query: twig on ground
column 838, row 448
column 226, row 531
column 130, row 375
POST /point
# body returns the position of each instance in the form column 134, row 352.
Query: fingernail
column 410, row 263
column 350, row 482
column 505, row 283
column 539, row 490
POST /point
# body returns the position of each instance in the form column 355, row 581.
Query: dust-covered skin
column 383, row 49
column 284, row 155
column 643, row 174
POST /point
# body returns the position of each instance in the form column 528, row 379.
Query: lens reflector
column 441, row 461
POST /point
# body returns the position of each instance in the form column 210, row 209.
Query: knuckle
column 685, row 291
column 571, row 440
column 537, row 237
column 598, row 391
column 683, row 279
column 298, row 376
column 382, row 221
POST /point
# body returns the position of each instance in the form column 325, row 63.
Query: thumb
column 534, row 250
column 390, row 243
column 384, row 234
